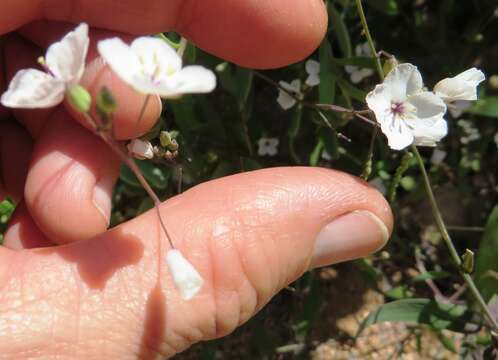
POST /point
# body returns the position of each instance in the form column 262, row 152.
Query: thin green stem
column 182, row 47
column 363, row 19
column 449, row 243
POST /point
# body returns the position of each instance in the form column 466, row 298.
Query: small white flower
column 186, row 278
column 64, row 65
column 284, row 99
column 438, row 156
column 313, row 70
column 268, row 146
column 141, row 149
column 151, row 66
column 357, row 74
column 406, row 113
column 461, row 87
column 326, row 156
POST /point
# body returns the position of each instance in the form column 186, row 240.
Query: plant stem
column 118, row 149
column 182, row 47
column 449, row 243
column 363, row 19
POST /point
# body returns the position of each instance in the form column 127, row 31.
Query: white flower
column 357, row 74
column 326, row 156
column 406, row 113
column 187, row 280
column 268, row 146
column 64, row 65
column 141, row 149
column 151, row 66
column 284, row 99
column 461, row 87
column 313, row 70
column 438, row 156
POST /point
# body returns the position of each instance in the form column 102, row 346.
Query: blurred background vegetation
column 319, row 316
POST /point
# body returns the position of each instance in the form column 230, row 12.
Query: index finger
column 253, row 33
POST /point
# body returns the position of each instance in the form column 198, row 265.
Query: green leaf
column 423, row 311
column 330, row 141
column 7, row 207
column 431, row 275
column 486, row 258
column 352, row 91
column 340, row 30
column 156, row 176
column 446, row 341
column 243, row 79
column 295, row 123
column 485, row 107
column 326, row 89
column 389, row 7
column 316, row 153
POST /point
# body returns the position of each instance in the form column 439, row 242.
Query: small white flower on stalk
column 285, row 100
column 313, row 70
column 151, row 66
column 268, row 146
column 357, row 74
column 64, row 65
column 141, row 149
column 461, row 87
column 407, row 114
column 187, row 280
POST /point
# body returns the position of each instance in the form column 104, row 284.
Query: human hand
column 106, row 294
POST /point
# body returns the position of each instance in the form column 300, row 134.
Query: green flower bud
column 106, row 103
column 79, row 98
column 468, row 261
column 167, row 140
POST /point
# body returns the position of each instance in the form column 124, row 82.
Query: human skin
column 107, row 293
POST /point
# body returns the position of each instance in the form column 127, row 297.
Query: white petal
column 379, row 101
column 356, row 76
column 312, row 67
column 190, row 80
column 461, row 87
column 284, row 99
column 438, row 156
column 398, row 134
column 33, row 89
column 122, row 60
column 141, row 149
column 157, row 58
column 66, row 58
column 350, row 69
column 429, row 131
column 404, row 80
column 427, row 105
column 186, row 278
column 313, row 80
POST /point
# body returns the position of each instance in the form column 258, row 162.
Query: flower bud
column 186, row 278
column 167, row 140
column 106, row 103
column 390, row 64
column 79, row 98
column 141, row 149
column 468, row 261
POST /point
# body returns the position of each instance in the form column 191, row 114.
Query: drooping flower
column 357, row 74
column 64, row 65
column 186, row 278
column 141, row 149
column 313, row 70
column 268, row 146
column 151, row 66
column 460, row 87
column 285, row 100
column 407, row 114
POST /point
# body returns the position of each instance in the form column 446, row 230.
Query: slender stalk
column 449, row 243
column 363, row 19
column 118, row 149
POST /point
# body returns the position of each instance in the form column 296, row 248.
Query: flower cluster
column 149, row 65
column 285, row 99
column 410, row 114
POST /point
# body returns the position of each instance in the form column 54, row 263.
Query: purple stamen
column 397, row 108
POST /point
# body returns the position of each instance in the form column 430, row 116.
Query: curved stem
column 363, row 19
column 449, row 243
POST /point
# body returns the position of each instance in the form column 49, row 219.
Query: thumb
column 249, row 235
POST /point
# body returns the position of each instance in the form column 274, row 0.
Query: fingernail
column 348, row 237
column 102, row 193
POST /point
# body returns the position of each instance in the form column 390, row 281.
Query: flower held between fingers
column 64, row 65
column 187, row 280
column 151, row 66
